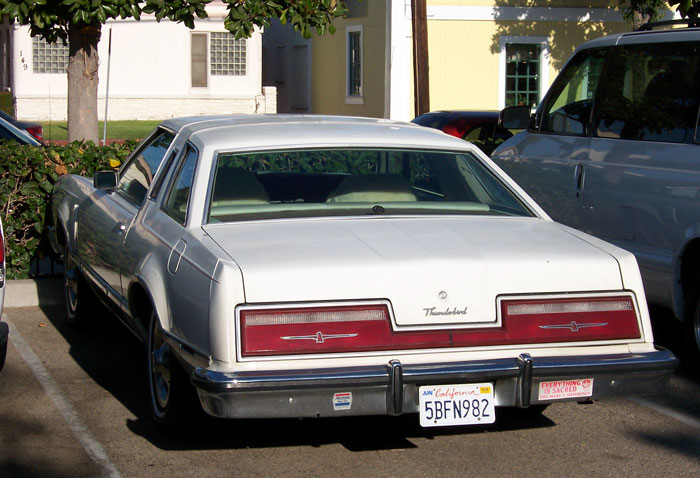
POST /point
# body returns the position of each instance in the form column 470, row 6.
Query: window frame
column 180, row 163
column 350, row 98
column 206, row 59
column 544, row 61
column 127, row 164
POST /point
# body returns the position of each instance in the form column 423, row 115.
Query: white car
column 301, row 266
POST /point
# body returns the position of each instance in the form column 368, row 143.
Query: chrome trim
column 393, row 388
column 573, row 326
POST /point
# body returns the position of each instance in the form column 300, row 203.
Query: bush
column 27, row 176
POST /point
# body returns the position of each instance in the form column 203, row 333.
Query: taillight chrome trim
column 457, row 334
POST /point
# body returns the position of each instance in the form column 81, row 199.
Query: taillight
column 364, row 328
column 37, row 132
column 576, row 319
column 334, row 329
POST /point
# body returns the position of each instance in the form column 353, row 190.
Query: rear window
column 334, row 182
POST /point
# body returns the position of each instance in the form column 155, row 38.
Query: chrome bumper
column 392, row 389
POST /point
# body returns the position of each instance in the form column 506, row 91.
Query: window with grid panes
column 523, row 74
column 228, row 55
column 49, row 57
column 354, row 63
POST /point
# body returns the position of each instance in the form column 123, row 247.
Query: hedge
column 27, row 176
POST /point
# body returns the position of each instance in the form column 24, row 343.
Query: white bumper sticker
column 562, row 389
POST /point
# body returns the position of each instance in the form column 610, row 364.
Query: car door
column 550, row 162
column 643, row 182
column 104, row 221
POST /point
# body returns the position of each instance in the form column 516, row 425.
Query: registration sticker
column 463, row 404
column 342, row 401
column 562, row 389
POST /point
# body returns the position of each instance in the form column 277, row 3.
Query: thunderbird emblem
column 320, row 337
column 573, row 326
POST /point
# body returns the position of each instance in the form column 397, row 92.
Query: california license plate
column 464, row 404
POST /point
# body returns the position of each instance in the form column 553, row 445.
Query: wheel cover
column 70, row 276
column 159, row 370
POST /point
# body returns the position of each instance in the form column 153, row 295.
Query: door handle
column 121, row 228
column 579, row 178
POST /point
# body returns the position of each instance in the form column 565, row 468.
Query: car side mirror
column 105, row 179
column 515, row 117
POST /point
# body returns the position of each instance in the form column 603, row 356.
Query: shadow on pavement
column 116, row 361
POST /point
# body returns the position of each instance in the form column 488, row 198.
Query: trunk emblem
column 320, row 337
column 573, row 326
column 442, row 295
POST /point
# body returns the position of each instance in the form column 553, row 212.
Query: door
column 643, row 182
column 552, row 162
column 104, row 224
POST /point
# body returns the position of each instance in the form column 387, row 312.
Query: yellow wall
column 464, row 56
column 329, row 69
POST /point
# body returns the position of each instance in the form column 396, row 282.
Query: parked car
column 4, row 330
column 9, row 132
column 479, row 127
column 302, row 266
column 613, row 151
column 35, row 129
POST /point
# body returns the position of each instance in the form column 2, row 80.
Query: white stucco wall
column 150, row 75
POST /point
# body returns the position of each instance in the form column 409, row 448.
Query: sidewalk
column 33, row 292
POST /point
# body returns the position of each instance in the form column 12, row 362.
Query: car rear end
column 448, row 299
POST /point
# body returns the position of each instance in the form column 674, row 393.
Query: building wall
column 150, row 75
column 328, row 78
column 466, row 44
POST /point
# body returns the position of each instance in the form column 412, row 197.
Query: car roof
column 278, row 131
column 647, row 36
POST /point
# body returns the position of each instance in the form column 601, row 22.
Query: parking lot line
column 93, row 448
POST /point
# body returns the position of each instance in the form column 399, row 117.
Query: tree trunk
column 83, row 62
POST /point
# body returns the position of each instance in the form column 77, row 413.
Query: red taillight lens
column 334, row 329
column 37, row 132
column 563, row 320
column 364, row 328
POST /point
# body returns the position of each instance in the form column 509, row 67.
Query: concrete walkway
column 33, row 292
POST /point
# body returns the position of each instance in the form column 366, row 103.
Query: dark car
column 479, row 127
column 9, row 132
column 35, row 129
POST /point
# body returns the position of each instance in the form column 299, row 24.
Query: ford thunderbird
column 303, row 266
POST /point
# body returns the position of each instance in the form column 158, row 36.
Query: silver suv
column 614, row 150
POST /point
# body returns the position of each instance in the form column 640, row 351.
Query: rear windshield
column 339, row 182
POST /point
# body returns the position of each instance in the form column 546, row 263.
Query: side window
column 651, row 93
column 179, row 195
column 137, row 175
column 567, row 109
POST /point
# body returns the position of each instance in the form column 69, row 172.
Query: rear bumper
column 392, row 389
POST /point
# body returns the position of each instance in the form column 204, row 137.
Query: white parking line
column 62, row 404
column 669, row 412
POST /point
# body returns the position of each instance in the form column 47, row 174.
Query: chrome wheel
column 159, row 370
column 70, row 279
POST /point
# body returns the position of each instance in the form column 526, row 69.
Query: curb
column 33, row 293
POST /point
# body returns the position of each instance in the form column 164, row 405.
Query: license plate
column 464, row 404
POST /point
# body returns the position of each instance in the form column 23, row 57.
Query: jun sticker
column 342, row 401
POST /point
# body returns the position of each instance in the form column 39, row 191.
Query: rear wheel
column 692, row 334
column 171, row 396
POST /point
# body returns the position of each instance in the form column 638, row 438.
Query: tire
column 79, row 298
column 171, row 396
column 691, row 334
column 3, row 344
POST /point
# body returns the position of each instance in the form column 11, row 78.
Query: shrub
column 27, row 176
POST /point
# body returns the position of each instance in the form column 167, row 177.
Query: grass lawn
column 58, row 130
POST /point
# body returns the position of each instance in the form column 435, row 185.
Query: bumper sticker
column 342, row 401
column 561, row 389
